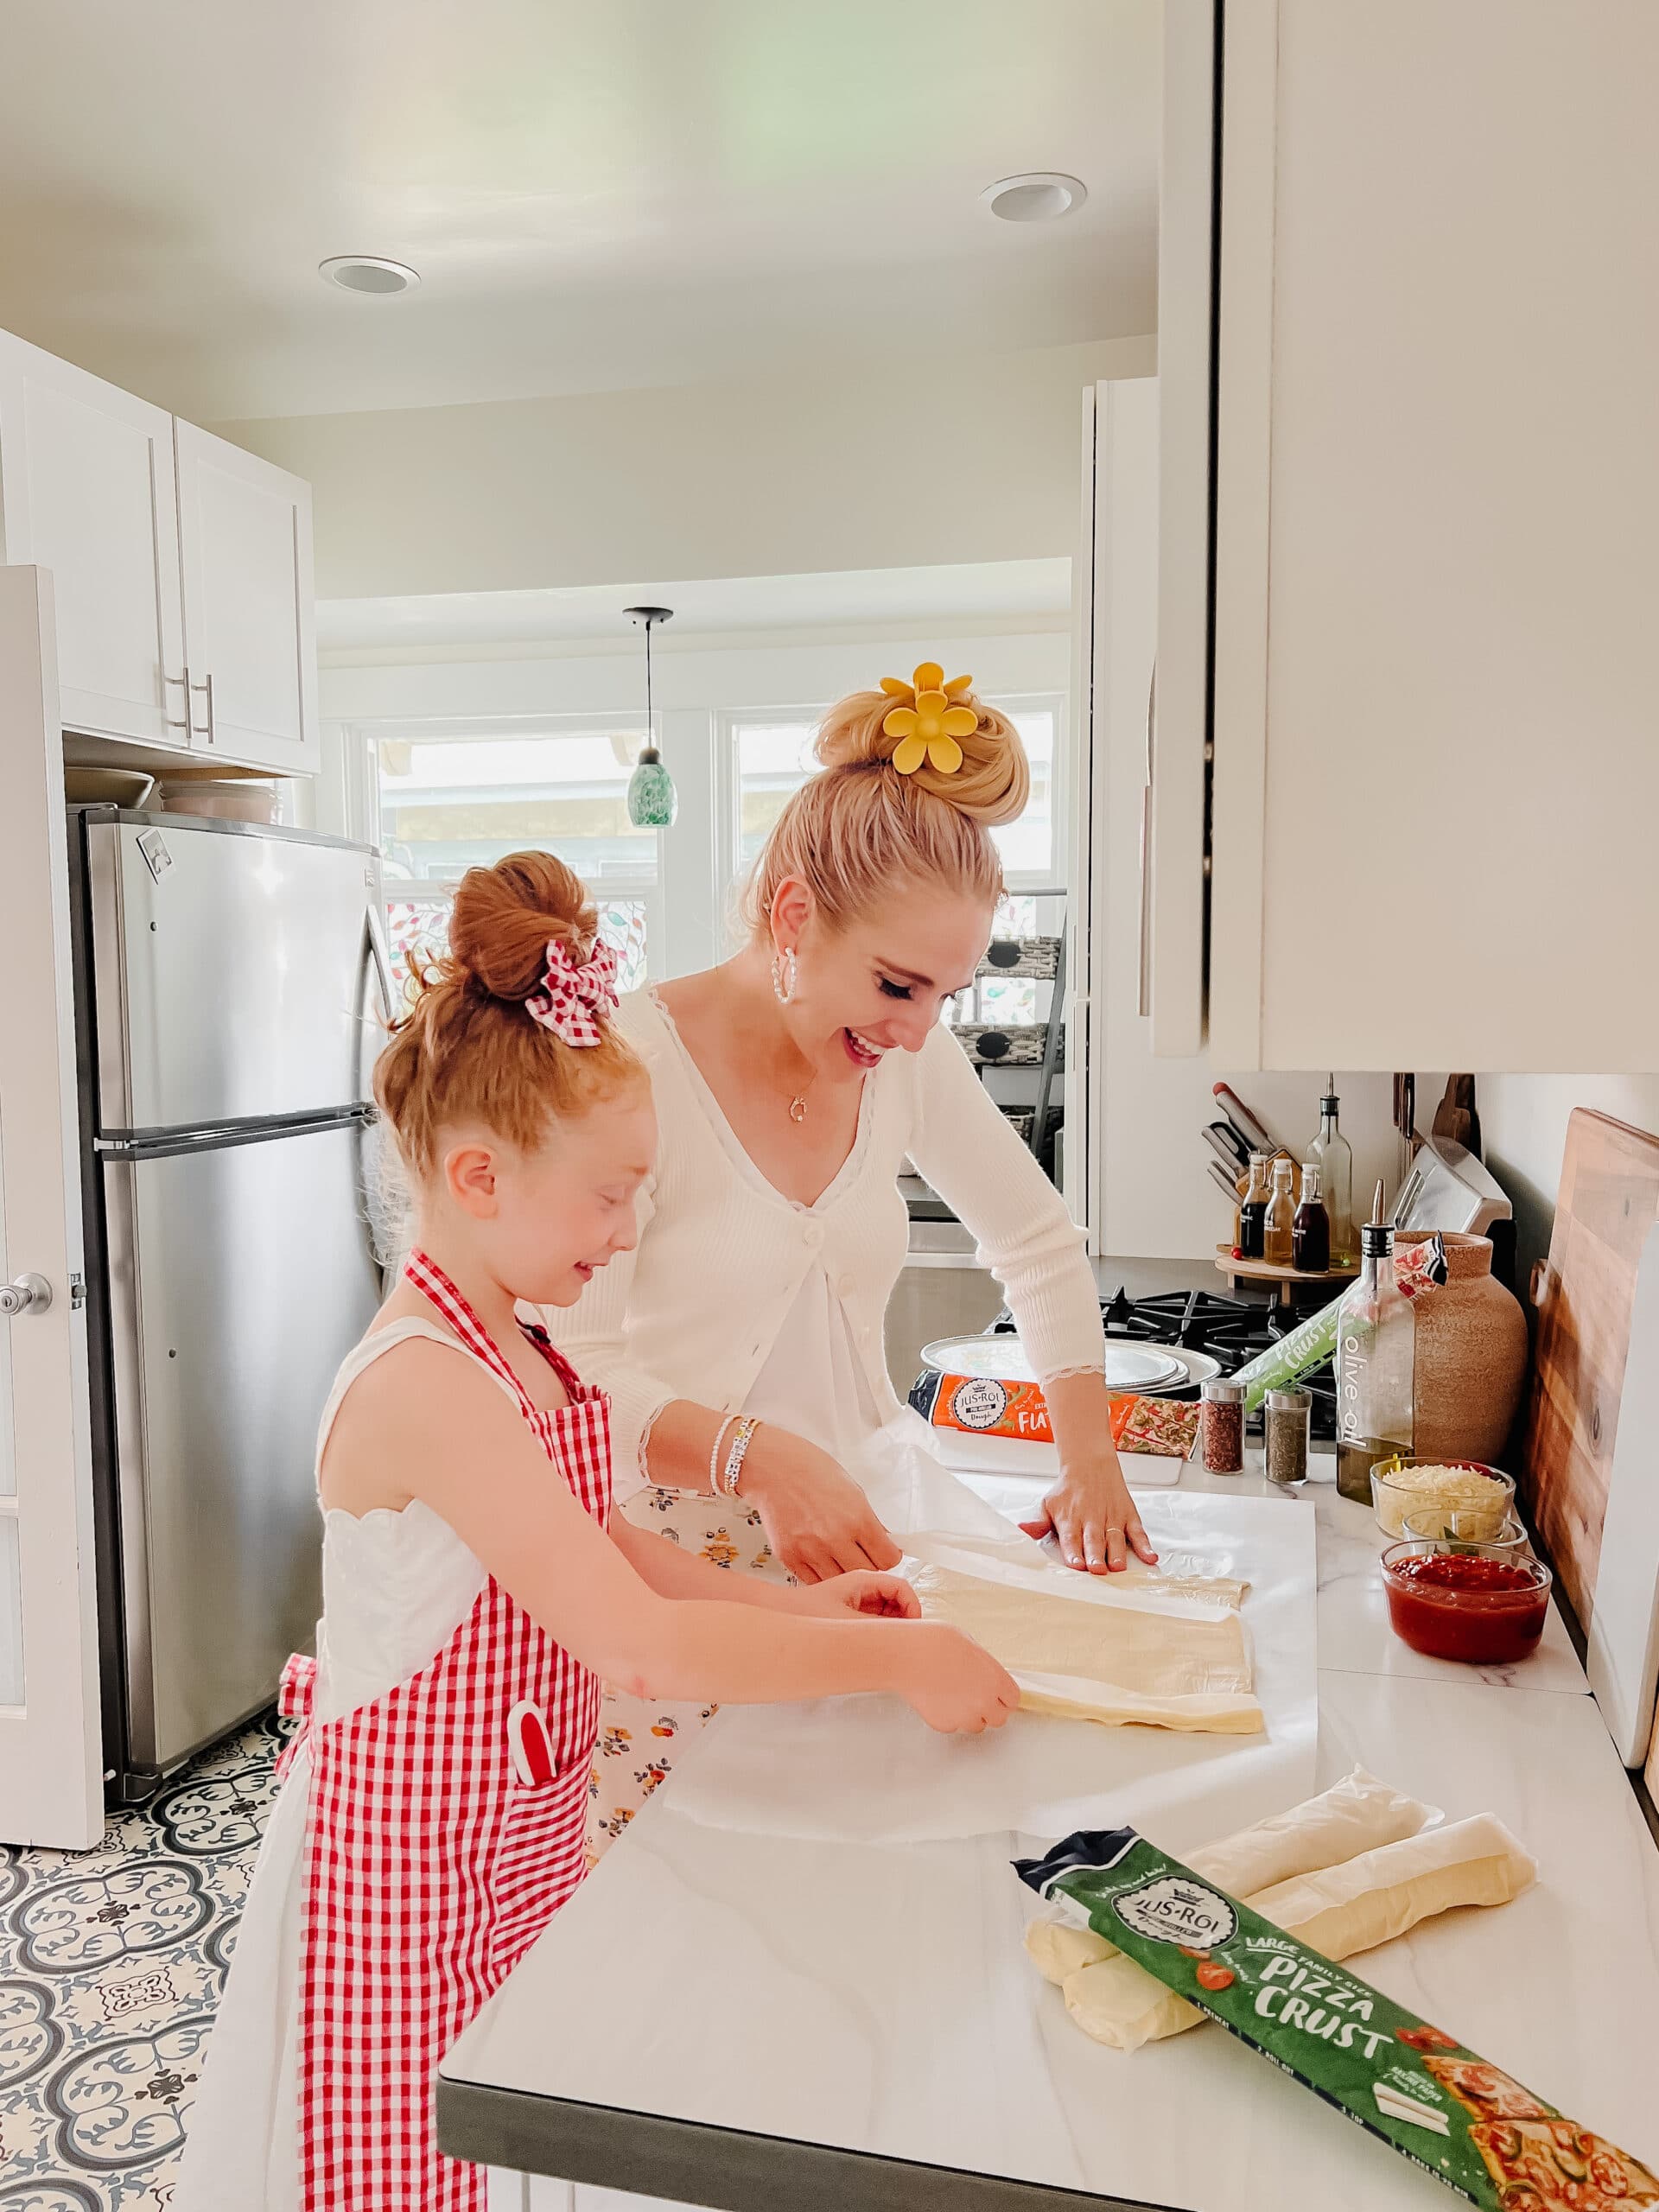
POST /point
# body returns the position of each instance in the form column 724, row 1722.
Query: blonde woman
column 742, row 1340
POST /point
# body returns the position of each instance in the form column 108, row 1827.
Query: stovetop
column 1230, row 1330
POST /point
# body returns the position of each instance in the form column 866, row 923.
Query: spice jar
column 1285, row 1429
column 1221, row 1426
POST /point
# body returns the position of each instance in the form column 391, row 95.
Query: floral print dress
column 638, row 1739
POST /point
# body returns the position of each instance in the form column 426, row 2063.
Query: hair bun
column 505, row 917
column 992, row 785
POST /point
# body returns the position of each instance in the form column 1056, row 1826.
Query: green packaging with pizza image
column 1413, row 2084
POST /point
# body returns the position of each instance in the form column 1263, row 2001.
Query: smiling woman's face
column 879, row 984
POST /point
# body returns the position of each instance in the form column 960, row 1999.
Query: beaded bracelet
column 714, row 1456
column 746, row 1432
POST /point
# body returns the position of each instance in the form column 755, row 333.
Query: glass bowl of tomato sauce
column 1480, row 1602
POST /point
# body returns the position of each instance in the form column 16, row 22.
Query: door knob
column 28, row 1294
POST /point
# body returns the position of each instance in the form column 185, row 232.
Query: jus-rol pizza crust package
column 984, row 1405
column 1415, row 2086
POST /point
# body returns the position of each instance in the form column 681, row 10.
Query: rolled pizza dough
column 1354, row 1816
column 1341, row 1911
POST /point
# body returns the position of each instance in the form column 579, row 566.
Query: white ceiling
column 598, row 193
column 984, row 594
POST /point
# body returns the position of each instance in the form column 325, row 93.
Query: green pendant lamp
column 652, row 800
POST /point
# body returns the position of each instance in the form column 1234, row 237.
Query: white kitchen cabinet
column 87, row 491
column 1435, row 471
column 181, row 567
column 244, row 535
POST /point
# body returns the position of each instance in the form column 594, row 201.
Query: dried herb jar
column 1285, row 1424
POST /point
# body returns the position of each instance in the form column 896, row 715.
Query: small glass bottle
column 1310, row 1233
column 1253, row 1209
column 1278, row 1230
column 1285, row 1425
column 1221, row 1426
column 1375, row 1358
column 1331, row 1153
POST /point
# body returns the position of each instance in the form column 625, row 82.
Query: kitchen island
column 754, row 2022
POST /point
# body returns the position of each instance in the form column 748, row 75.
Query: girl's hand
column 817, row 1520
column 887, row 1595
column 1094, row 1519
column 953, row 1682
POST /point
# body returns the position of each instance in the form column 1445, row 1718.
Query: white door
column 244, row 535
column 51, row 1782
column 86, row 490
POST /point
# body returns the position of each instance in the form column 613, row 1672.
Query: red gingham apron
column 431, row 1866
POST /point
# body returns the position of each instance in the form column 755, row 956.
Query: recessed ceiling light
column 1041, row 196
column 367, row 272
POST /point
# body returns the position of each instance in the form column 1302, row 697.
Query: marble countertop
column 744, row 2021
column 1355, row 1637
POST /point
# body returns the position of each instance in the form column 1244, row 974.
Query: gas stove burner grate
column 1230, row 1330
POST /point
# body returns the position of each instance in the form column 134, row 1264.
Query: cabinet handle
column 179, row 722
column 208, row 687
column 1144, row 998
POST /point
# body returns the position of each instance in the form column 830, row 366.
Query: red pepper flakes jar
column 1221, row 1426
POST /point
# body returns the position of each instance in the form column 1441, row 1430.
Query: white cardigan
column 695, row 1309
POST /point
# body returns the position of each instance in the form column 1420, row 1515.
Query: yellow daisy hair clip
column 929, row 719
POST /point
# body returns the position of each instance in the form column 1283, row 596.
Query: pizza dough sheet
column 1152, row 1651
column 1341, row 1911
column 1353, row 1816
column 1178, row 1574
column 1071, row 1698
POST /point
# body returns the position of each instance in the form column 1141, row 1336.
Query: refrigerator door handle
column 382, row 961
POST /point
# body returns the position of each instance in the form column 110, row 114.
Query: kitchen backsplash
column 1159, row 1200
column 1524, row 1122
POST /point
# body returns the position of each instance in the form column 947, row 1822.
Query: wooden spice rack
column 1285, row 1279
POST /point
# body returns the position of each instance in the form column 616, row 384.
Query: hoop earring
column 783, row 976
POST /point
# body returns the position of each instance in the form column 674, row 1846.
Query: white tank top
column 396, row 1585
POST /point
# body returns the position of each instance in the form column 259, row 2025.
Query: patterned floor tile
column 112, row 1962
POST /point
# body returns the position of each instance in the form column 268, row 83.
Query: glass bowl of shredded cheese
column 1480, row 1496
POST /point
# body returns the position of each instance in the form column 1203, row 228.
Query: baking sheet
column 867, row 1770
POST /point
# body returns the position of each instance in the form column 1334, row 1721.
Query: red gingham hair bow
column 575, row 997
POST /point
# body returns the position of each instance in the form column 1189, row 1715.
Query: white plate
column 1129, row 1367
column 1199, row 1366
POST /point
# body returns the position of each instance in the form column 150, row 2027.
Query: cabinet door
column 1175, row 709
column 1436, row 776
column 86, row 490
column 245, row 534
column 51, row 1778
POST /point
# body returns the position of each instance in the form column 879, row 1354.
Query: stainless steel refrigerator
column 229, row 1002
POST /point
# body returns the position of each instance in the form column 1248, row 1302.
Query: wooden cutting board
column 1623, row 1630
column 1608, row 1200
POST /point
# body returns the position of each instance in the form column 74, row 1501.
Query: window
column 774, row 758
column 452, row 796
column 417, row 931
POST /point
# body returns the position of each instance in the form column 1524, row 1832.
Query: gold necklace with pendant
column 797, row 1104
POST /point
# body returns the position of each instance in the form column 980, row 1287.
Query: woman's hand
column 1094, row 1520
column 887, row 1595
column 953, row 1682
column 817, row 1520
